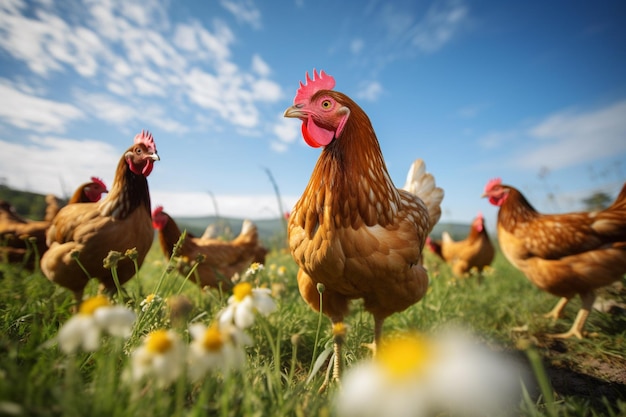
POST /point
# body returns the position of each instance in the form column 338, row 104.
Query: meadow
column 567, row 378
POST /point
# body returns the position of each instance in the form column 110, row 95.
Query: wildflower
column 282, row 270
column 132, row 254
column 254, row 268
column 418, row 375
column 161, row 356
column 112, row 259
column 147, row 302
column 244, row 302
column 95, row 316
column 216, row 347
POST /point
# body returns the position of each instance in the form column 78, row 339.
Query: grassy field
column 588, row 377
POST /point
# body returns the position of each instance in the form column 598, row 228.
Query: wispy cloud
column 441, row 22
column 287, row 131
column 133, row 50
column 52, row 164
column 357, row 45
column 244, row 10
column 564, row 139
column 369, row 90
column 570, row 138
column 27, row 111
column 402, row 32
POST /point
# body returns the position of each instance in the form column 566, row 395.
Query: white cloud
column 440, row 24
column 266, row 90
column 35, row 113
column 370, row 91
column 259, row 66
column 357, row 45
column 564, row 139
column 129, row 48
column 569, row 138
column 56, row 165
column 287, row 130
column 244, row 10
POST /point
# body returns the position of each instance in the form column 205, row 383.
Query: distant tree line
column 27, row 204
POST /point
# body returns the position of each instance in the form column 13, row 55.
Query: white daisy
column 417, row 376
column 96, row 316
column 244, row 302
column 254, row 268
column 389, row 385
column 215, row 347
column 161, row 356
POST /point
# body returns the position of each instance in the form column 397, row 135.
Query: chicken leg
column 378, row 332
column 577, row 328
column 557, row 311
column 339, row 335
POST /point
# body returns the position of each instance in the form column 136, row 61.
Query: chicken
column 89, row 192
column 16, row 232
column 221, row 259
column 89, row 231
column 352, row 231
column 563, row 254
column 475, row 251
column 434, row 246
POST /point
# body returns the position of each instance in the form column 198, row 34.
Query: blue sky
column 533, row 92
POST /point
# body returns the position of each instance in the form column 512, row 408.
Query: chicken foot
column 577, row 328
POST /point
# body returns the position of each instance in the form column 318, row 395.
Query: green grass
column 37, row 379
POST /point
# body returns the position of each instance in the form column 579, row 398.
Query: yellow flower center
column 149, row 298
column 159, row 341
column 339, row 329
column 92, row 304
column 212, row 339
column 404, row 357
column 242, row 290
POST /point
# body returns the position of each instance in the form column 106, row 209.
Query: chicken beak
column 155, row 157
column 295, row 112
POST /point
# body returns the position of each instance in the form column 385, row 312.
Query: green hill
column 271, row 231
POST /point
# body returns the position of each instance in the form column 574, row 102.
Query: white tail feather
column 422, row 184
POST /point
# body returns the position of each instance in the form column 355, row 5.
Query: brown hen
column 352, row 230
column 474, row 252
column 120, row 222
column 563, row 254
column 19, row 237
column 221, row 260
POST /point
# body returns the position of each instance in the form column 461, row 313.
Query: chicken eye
column 326, row 104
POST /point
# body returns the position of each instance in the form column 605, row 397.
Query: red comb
column 479, row 215
column 157, row 210
column 321, row 81
column 492, row 183
column 146, row 138
column 98, row 181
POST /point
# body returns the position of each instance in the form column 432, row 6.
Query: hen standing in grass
column 120, row 222
column 352, row 230
column 19, row 236
column 221, row 260
column 473, row 252
column 563, row 254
